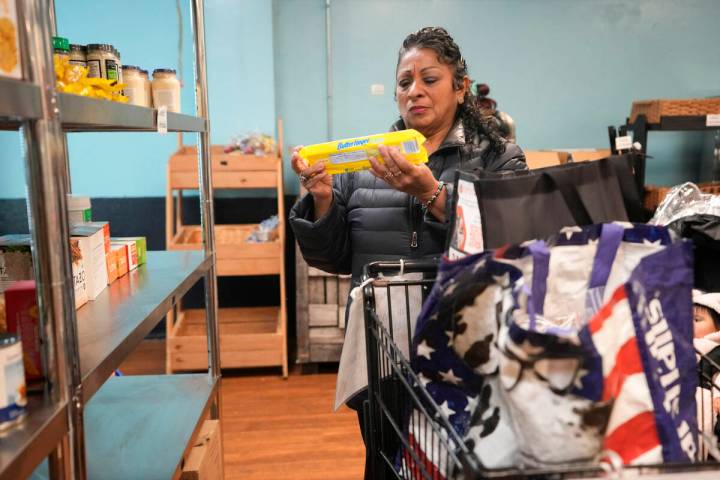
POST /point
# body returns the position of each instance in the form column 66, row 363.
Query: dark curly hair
column 474, row 118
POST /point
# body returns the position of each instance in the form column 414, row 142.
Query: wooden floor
column 275, row 428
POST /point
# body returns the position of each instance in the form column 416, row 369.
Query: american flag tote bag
column 639, row 355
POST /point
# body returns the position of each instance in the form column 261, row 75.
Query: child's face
column 703, row 322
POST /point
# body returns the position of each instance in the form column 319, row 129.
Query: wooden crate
column 205, row 460
column 234, row 254
column 654, row 195
column 249, row 337
column 321, row 304
column 687, row 107
column 233, row 170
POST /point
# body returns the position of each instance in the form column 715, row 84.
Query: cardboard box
column 109, row 258
column 589, row 155
column 10, row 58
column 120, row 252
column 541, row 159
column 131, row 254
column 112, row 267
column 15, row 260
column 23, row 319
column 91, row 239
column 204, row 462
column 140, row 247
column 79, row 274
column 79, row 209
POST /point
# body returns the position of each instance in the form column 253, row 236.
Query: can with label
column 13, row 395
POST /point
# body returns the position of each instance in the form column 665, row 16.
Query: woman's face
column 424, row 89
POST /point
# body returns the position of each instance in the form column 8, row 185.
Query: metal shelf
column 112, row 325
column 141, row 426
column 677, row 124
column 83, row 114
column 19, row 100
column 24, row 447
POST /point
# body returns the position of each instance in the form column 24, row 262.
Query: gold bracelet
column 429, row 203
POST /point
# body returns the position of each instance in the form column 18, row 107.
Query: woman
column 397, row 209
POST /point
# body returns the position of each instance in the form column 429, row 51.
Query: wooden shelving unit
column 249, row 337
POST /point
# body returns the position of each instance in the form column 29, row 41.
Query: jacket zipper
column 413, row 223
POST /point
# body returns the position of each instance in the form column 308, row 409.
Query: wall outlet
column 377, row 89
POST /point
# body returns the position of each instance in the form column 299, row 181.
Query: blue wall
column 564, row 69
column 240, row 78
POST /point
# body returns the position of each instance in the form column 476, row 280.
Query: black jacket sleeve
column 325, row 243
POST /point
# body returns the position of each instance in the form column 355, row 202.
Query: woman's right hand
column 316, row 180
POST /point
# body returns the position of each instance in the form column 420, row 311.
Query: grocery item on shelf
column 79, row 209
column 79, row 274
column 91, row 239
column 61, row 48
column 23, row 320
column 137, row 86
column 120, row 253
column 166, row 89
column 102, row 61
column 130, row 252
column 105, row 226
column 10, row 60
column 15, row 259
column 112, row 268
column 252, row 144
column 352, row 154
column 266, row 231
column 140, row 247
column 13, row 397
column 74, row 79
column 78, row 55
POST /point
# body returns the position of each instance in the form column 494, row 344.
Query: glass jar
column 118, row 65
column 166, row 89
column 102, row 61
column 78, row 55
column 135, row 89
column 148, row 86
column 61, row 49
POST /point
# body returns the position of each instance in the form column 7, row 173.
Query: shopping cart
column 401, row 413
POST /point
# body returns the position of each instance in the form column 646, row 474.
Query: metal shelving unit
column 641, row 126
column 136, row 427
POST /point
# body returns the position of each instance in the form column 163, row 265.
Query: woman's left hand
column 399, row 173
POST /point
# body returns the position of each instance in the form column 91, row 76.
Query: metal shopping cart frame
column 399, row 403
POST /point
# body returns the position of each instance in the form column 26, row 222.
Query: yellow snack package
column 352, row 154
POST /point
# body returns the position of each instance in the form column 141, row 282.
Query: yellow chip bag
column 352, row 154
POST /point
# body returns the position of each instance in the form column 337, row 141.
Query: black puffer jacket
column 370, row 221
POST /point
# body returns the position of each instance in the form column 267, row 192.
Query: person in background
column 398, row 210
column 706, row 326
column 506, row 124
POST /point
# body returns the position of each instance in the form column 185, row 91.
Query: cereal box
column 23, row 319
column 140, row 247
column 91, row 239
column 132, row 256
column 78, row 273
column 121, row 262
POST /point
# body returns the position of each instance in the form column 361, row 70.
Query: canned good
column 13, row 395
